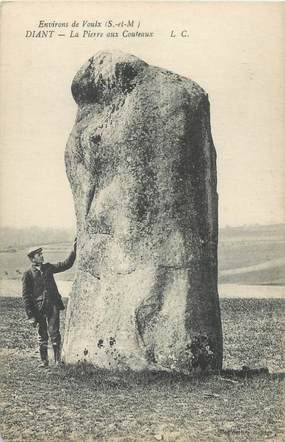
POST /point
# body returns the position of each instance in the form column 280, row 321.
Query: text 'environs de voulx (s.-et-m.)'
column 96, row 29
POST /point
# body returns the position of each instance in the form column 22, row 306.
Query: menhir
column 142, row 167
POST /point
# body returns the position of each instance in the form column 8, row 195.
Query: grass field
column 87, row 404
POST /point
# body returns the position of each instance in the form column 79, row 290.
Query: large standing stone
column 142, row 168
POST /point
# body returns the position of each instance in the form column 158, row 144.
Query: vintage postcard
column 142, row 221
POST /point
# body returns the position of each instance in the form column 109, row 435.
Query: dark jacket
column 39, row 286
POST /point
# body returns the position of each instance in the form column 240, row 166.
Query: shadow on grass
column 247, row 372
column 129, row 378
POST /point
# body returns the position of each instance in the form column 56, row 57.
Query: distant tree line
column 11, row 237
column 16, row 237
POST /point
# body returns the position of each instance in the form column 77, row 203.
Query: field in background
column 252, row 255
column 84, row 404
column 247, row 255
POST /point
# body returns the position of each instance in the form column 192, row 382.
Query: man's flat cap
column 32, row 251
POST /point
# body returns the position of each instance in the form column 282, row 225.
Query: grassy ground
column 83, row 404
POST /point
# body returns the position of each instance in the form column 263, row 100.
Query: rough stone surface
column 142, row 167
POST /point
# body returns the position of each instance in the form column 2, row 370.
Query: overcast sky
column 234, row 51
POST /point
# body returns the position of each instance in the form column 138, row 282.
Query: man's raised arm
column 67, row 263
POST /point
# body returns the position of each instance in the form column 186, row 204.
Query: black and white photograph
column 142, row 221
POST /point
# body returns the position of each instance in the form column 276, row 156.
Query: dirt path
column 254, row 268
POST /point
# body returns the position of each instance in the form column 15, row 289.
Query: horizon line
column 223, row 226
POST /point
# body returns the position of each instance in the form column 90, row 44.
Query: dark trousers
column 48, row 326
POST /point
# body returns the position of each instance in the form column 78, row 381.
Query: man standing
column 43, row 302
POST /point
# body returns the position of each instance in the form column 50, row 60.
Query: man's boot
column 57, row 354
column 44, row 357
